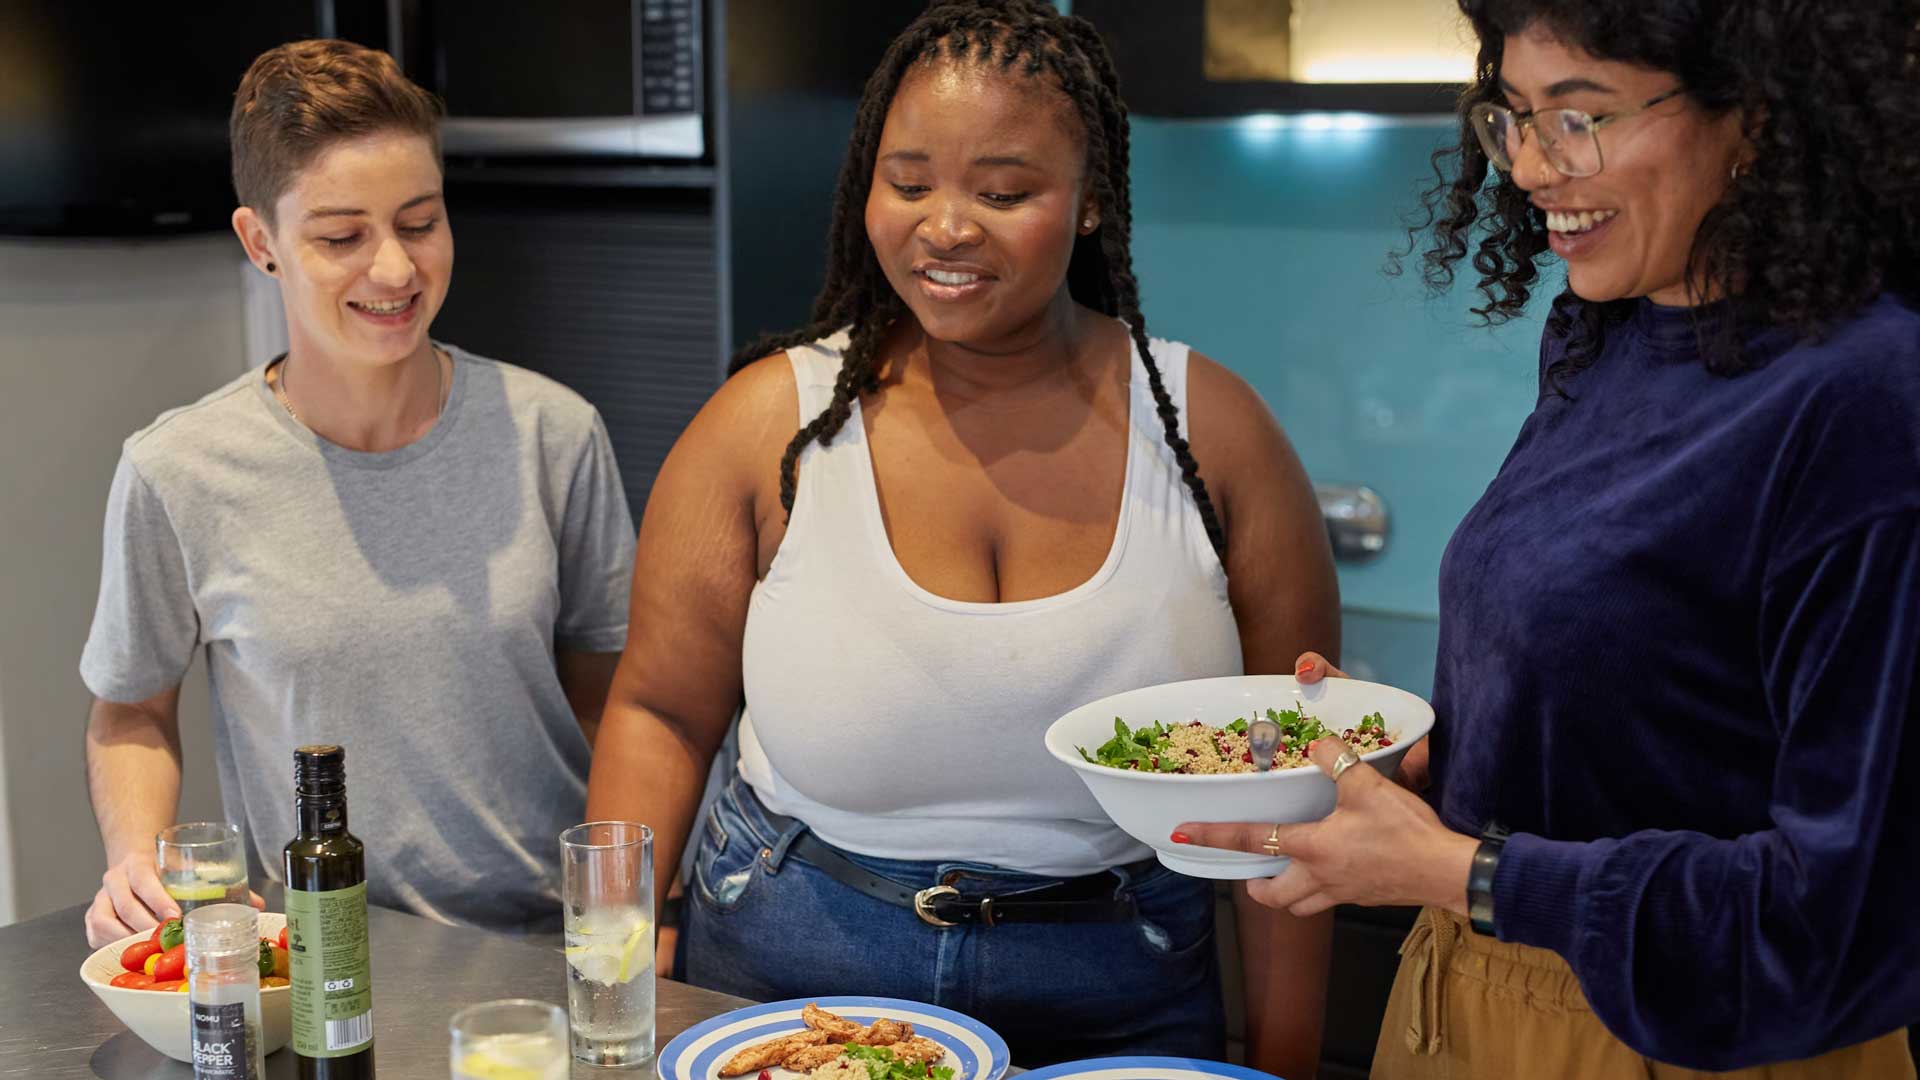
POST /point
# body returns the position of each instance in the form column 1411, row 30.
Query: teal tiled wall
column 1261, row 241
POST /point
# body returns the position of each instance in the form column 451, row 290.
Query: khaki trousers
column 1469, row 1007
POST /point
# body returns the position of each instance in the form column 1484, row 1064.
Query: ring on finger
column 1272, row 844
column 1347, row 760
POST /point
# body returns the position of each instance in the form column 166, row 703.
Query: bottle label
column 332, row 978
column 222, row 1044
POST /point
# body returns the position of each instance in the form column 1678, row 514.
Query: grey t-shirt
column 405, row 605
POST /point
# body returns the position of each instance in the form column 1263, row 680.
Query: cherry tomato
column 282, row 939
column 133, row 980
column 135, row 956
column 280, row 964
column 172, row 965
column 170, row 986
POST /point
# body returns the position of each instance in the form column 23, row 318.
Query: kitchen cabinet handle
column 1357, row 521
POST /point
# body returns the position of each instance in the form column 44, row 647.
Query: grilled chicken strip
column 838, row 1028
column 772, row 1052
column 922, row 1049
column 884, row 1032
column 810, row 1058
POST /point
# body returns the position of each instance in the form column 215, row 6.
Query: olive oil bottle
column 332, row 978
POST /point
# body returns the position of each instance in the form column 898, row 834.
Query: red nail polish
column 1181, row 838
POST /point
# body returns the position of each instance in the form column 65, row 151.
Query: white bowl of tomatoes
column 155, row 1008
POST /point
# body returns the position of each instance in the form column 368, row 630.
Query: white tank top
column 905, row 725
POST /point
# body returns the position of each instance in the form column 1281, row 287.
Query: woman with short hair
column 381, row 541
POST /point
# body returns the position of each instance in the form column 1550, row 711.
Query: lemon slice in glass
column 604, row 958
column 480, row 1065
column 632, row 948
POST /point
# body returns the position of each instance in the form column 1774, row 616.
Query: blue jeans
column 767, row 925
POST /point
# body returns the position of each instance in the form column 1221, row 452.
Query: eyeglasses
column 1569, row 138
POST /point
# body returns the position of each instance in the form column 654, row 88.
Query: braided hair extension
column 1031, row 34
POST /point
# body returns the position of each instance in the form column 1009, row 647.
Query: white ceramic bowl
column 1148, row 805
column 160, row 1017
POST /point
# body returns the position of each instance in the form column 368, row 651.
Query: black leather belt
column 1093, row 898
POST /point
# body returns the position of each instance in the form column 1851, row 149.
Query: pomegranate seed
column 765, row 1075
column 1247, row 757
column 1386, row 743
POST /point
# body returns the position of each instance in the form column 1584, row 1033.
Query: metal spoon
column 1263, row 738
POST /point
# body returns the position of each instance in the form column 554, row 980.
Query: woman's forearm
column 1284, row 961
column 649, row 770
column 133, row 771
column 1721, row 954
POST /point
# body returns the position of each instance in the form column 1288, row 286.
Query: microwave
column 579, row 78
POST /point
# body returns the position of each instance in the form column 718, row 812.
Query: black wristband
column 672, row 911
column 1486, row 858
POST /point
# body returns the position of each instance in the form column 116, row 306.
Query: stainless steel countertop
column 52, row 1027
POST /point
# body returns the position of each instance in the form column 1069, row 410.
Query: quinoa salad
column 1197, row 749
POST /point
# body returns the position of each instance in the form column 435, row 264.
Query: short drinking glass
column 202, row 863
column 608, row 891
column 518, row 1038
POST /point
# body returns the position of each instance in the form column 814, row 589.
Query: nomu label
column 222, row 1045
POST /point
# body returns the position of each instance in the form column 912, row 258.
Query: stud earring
column 271, row 268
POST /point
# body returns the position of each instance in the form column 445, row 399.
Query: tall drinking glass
column 202, row 862
column 517, row 1038
column 608, row 891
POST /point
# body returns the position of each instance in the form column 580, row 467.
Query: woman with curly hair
column 1679, row 662
column 969, row 496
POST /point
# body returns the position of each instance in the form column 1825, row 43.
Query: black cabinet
column 632, row 281
column 615, row 296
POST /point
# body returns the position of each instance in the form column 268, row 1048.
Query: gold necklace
column 279, row 381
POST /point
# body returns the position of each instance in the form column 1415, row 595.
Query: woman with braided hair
column 1003, row 499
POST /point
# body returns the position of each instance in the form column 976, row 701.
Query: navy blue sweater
column 1679, row 637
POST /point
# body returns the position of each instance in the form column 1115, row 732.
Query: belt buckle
column 923, row 904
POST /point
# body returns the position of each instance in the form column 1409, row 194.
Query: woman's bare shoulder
column 753, row 413
column 1227, row 419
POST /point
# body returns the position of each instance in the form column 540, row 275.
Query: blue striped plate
column 1145, row 1068
column 974, row 1051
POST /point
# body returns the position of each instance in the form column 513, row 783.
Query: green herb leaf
column 1138, row 748
column 881, row 1065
